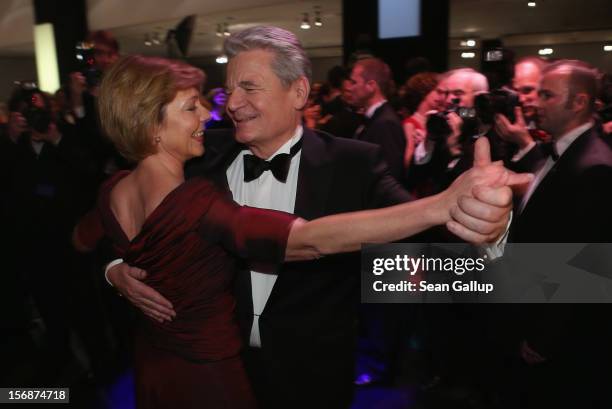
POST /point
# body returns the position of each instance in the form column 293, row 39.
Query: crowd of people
column 238, row 307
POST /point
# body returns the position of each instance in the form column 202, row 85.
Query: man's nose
column 235, row 100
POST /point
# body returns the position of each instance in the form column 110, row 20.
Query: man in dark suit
column 569, row 201
column 298, row 324
column 370, row 82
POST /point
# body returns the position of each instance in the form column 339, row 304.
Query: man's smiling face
column 263, row 109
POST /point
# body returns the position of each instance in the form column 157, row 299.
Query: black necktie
column 279, row 165
column 550, row 150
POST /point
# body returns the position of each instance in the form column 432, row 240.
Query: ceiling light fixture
column 318, row 21
column 305, row 22
column 147, row 40
column 226, row 31
column 608, row 48
column 222, row 59
column 219, row 33
column 468, row 55
column 545, row 51
column 531, row 4
column 156, row 39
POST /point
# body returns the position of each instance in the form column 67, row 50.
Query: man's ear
column 301, row 90
column 580, row 102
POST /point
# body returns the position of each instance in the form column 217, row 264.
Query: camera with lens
column 437, row 125
column 499, row 101
column 24, row 101
column 85, row 56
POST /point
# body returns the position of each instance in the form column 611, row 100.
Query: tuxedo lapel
column 563, row 169
column 555, row 182
column 314, row 178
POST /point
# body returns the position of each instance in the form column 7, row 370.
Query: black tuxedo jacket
column 572, row 203
column 308, row 325
column 385, row 129
column 312, row 302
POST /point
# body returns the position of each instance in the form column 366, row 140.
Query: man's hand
column 312, row 115
column 517, row 132
column 483, row 216
column 452, row 142
column 16, row 126
column 52, row 135
column 126, row 280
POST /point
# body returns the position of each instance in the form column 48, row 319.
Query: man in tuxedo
column 298, row 324
column 370, row 81
column 524, row 131
column 568, row 201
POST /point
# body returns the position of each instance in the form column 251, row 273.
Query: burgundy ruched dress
column 188, row 245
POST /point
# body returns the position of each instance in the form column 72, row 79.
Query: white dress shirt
column 265, row 192
column 561, row 146
column 368, row 114
column 372, row 108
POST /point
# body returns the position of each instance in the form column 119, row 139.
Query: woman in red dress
column 422, row 96
column 186, row 234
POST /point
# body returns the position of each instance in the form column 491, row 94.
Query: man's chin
column 243, row 136
column 530, row 113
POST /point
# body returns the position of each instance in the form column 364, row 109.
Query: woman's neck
column 164, row 167
column 419, row 115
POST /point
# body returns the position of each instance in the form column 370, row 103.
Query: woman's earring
column 157, row 139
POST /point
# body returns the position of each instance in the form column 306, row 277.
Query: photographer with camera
column 523, row 132
column 41, row 175
column 449, row 132
column 98, row 53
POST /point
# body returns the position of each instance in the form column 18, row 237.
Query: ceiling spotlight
column 226, row 31
column 470, row 43
column 545, row 51
column 318, row 21
column 468, row 55
column 607, row 47
column 147, row 40
column 219, row 32
column 156, row 39
column 531, row 4
column 305, row 22
column 222, row 59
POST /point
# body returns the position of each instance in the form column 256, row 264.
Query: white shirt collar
column 370, row 111
column 566, row 140
column 37, row 146
column 286, row 147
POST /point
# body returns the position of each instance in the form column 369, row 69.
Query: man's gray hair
column 479, row 81
column 290, row 60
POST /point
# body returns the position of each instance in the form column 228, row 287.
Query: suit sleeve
column 256, row 234
column 390, row 136
column 383, row 189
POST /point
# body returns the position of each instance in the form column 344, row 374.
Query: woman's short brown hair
column 418, row 87
column 133, row 97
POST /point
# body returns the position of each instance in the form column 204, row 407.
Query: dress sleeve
column 256, row 234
